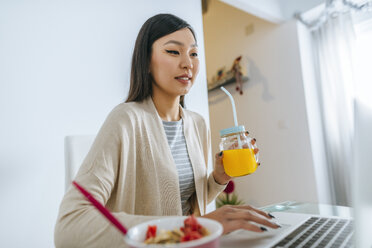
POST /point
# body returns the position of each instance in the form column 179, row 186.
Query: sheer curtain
column 333, row 42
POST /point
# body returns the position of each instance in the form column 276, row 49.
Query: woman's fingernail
column 263, row 229
column 272, row 216
column 221, row 154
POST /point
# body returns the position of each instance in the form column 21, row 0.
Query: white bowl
column 136, row 235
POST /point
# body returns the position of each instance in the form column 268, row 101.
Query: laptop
column 298, row 230
column 304, row 230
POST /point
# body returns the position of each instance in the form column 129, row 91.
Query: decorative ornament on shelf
column 227, row 197
column 235, row 74
column 237, row 71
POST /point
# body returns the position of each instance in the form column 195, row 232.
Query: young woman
column 150, row 157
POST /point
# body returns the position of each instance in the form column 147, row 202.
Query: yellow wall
column 272, row 107
column 225, row 30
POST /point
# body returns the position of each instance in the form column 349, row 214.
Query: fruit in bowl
column 180, row 232
column 192, row 230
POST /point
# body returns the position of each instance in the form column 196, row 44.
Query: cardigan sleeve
column 213, row 188
column 79, row 224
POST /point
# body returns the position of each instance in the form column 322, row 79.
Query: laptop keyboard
column 321, row 232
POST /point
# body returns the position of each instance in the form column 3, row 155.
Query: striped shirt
column 177, row 144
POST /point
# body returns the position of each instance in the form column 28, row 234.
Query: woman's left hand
column 219, row 173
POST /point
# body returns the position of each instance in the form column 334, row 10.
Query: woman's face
column 174, row 63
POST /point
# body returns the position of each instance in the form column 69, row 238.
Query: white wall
column 272, row 107
column 289, row 7
column 269, row 10
column 275, row 11
column 64, row 65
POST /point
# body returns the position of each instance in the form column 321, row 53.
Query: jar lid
column 230, row 130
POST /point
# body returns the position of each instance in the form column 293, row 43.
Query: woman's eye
column 172, row 52
column 194, row 54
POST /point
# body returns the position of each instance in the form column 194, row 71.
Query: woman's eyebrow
column 178, row 43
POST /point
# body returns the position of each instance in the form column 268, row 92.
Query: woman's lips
column 184, row 80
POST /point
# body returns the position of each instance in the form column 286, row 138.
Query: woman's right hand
column 241, row 217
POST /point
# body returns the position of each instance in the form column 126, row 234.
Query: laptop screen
column 363, row 174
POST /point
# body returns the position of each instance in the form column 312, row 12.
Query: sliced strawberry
column 193, row 235
column 151, row 232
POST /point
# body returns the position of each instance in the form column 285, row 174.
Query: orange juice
column 239, row 162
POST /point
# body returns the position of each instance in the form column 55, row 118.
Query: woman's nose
column 186, row 63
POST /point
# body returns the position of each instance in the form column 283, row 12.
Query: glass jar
column 239, row 158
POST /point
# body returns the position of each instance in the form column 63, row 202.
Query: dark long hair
column 154, row 28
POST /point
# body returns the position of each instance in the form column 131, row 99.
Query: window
column 363, row 60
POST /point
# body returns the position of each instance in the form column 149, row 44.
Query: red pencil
column 101, row 208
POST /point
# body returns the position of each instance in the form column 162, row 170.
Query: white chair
column 76, row 148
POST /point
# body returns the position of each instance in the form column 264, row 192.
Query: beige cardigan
column 130, row 169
